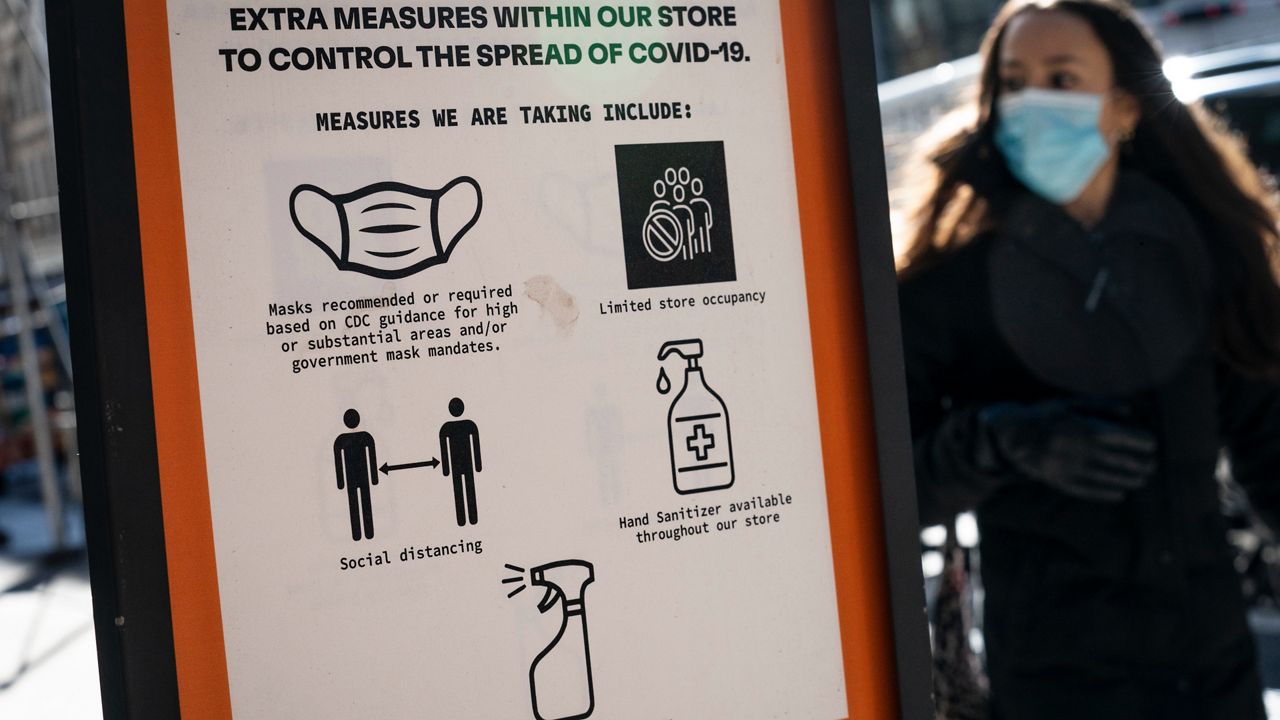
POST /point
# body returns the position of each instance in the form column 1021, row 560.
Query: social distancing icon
column 356, row 465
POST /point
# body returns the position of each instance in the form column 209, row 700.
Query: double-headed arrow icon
column 388, row 468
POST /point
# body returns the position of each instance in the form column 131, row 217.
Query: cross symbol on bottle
column 700, row 442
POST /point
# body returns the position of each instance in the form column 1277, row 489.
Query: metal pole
column 44, row 299
column 32, row 380
column 32, row 35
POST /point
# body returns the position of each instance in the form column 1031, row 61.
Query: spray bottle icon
column 560, row 684
column 697, row 426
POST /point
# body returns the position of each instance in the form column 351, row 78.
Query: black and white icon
column 460, row 459
column 560, row 683
column 388, row 230
column 356, row 464
column 697, row 425
column 676, row 228
column 355, row 461
column 388, row 468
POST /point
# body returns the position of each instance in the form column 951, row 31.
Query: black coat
column 1092, row 610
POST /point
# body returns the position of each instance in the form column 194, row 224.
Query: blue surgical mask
column 1051, row 141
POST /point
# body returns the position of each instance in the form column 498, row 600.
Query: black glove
column 1064, row 447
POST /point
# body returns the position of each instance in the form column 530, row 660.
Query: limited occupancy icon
column 674, row 204
column 697, row 425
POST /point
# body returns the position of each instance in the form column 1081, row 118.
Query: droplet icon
column 664, row 382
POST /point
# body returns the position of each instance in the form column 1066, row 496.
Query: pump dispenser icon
column 560, row 684
column 697, row 426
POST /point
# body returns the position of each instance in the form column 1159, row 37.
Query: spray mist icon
column 560, row 685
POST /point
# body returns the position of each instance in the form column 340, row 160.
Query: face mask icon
column 388, row 230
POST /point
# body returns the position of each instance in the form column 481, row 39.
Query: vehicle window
column 1236, row 68
column 1257, row 117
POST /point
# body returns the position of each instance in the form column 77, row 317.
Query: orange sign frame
column 882, row 632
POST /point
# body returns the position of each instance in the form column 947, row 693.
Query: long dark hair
column 1182, row 147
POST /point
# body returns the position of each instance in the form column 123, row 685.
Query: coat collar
column 1112, row 309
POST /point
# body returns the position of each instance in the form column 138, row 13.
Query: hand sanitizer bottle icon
column 697, row 426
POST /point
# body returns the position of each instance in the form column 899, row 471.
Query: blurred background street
column 925, row 51
column 48, row 661
column 927, row 67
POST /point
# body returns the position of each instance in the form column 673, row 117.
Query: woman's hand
column 1062, row 446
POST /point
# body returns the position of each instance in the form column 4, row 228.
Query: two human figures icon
column 356, row 466
column 680, row 219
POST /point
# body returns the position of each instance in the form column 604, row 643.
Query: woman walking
column 1091, row 314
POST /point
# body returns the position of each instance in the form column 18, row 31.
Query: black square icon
column 675, row 214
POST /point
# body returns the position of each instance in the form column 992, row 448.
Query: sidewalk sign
column 487, row 360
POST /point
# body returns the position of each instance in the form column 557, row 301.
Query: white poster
column 504, row 360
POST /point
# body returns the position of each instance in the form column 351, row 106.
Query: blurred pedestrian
column 1091, row 314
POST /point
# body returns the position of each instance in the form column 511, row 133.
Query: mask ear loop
column 1125, row 140
column 1124, row 137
